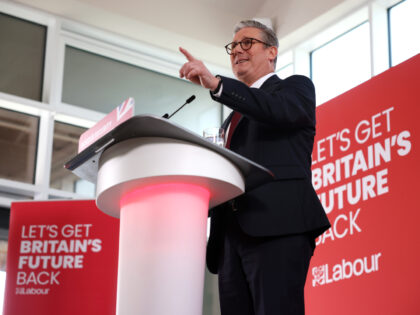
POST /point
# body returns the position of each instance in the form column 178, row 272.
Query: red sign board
column 365, row 171
column 109, row 122
column 62, row 259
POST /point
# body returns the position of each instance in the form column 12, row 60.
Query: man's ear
column 272, row 53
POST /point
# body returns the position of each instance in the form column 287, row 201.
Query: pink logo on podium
column 105, row 125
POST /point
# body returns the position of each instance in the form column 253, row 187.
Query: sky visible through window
column 404, row 30
column 341, row 64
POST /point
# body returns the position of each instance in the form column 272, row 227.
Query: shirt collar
column 257, row 84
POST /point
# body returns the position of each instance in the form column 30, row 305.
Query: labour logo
column 318, row 274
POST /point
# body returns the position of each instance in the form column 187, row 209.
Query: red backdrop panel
column 366, row 172
column 62, row 259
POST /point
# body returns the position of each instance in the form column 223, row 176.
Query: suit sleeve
column 288, row 103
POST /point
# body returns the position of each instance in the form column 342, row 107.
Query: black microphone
column 192, row 98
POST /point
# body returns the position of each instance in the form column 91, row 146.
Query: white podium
column 160, row 180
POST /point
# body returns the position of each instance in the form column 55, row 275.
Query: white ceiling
column 208, row 20
column 203, row 26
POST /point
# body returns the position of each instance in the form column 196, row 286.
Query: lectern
column 160, row 180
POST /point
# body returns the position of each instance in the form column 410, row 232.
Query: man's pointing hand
column 195, row 71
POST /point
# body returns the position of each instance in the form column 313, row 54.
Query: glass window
column 3, row 258
column 2, row 287
column 404, row 29
column 101, row 84
column 22, row 50
column 18, row 142
column 342, row 63
column 4, row 231
column 65, row 145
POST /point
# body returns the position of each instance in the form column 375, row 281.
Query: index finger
column 186, row 54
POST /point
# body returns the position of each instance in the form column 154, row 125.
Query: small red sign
column 62, row 259
column 105, row 125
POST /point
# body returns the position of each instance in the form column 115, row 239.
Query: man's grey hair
column 268, row 35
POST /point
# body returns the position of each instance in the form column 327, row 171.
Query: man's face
column 249, row 65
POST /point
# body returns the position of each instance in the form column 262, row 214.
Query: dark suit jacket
column 276, row 130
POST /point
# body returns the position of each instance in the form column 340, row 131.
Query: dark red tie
column 233, row 123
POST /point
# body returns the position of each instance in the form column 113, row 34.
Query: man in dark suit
column 261, row 243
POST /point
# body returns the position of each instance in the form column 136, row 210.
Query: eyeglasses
column 246, row 44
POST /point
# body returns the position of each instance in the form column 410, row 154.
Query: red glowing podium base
column 163, row 239
column 161, row 183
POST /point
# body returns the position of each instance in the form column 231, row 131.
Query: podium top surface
column 85, row 164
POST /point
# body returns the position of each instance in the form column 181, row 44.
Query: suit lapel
column 266, row 86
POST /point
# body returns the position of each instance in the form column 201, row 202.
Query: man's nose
column 237, row 49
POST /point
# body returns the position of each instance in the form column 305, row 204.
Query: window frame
column 62, row 32
column 333, row 40
column 389, row 37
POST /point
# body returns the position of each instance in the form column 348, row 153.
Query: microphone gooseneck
column 189, row 100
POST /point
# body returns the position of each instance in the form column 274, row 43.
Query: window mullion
column 378, row 38
column 44, row 155
column 52, row 66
